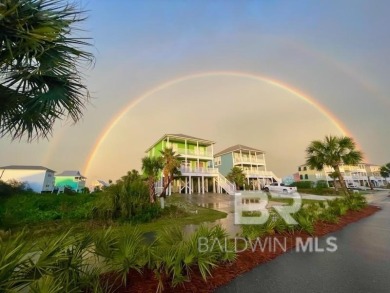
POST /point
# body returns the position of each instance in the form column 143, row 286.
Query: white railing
column 226, row 184
column 357, row 176
column 184, row 169
column 258, row 173
column 248, row 160
column 200, row 153
column 261, row 173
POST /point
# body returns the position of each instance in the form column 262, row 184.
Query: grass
column 188, row 213
column 178, row 212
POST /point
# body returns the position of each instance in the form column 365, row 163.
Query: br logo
column 251, row 209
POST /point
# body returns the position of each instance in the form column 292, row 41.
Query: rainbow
column 114, row 121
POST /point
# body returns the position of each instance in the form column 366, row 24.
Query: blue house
column 250, row 160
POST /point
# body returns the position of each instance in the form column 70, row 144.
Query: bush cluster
column 79, row 263
column 328, row 211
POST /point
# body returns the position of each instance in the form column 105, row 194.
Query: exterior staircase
column 226, row 185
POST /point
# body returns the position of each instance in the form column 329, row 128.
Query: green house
column 198, row 174
column 70, row 179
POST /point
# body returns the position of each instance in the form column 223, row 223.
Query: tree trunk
column 341, row 180
column 166, row 184
column 162, row 202
column 369, row 182
column 152, row 191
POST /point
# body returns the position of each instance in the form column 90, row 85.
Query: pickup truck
column 279, row 187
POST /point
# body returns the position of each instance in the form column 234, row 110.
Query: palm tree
column 152, row 167
column 40, row 79
column 171, row 164
column 237, row 176
column 385, row 170
column 333, row 151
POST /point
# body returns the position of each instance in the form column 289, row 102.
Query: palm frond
column 40, row 80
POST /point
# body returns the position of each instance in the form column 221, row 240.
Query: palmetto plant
column 40, row 60
column 121, row 253
column 328, row 216
column 61, row 264
column 12, row 257
column 333, row 151
column 305, row 220
column 174, row 256
column 356, row 202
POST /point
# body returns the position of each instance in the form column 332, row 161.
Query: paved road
column 360, row 264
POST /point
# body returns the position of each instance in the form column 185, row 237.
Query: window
column 299, row 168
column 304, row 168
column 48, row 174
column 217, row 161
column 301, row 177
column 306, row 176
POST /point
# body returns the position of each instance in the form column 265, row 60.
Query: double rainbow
column 114, row 121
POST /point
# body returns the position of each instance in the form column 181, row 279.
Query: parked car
column 279, row 187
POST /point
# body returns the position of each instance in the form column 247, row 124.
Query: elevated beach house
column 198, row 173
column 38, row 178
column 250, row 160
column 70, row 179
column 360, row 175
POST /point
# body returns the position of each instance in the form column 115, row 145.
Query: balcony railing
column 258, row 173
column 248, row 160
column 184, row 169
column 198, row 153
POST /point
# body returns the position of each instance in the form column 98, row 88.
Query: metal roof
column 25, row 167
column 238, row 147
column 70, row 174
column 183, row 137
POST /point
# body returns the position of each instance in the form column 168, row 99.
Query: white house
column 38, row 178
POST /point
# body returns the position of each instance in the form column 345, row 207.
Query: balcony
column 248, row 160
column 258, row 173
column 194, row 153
column 201, row 171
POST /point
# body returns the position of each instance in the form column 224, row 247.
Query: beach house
column 70, row 179
column 362, row 174
column 39, row 179
column 250, row 160
column 198, row 173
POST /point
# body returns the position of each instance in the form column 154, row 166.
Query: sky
column 273, row 75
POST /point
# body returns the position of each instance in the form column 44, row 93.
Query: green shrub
column 60, row 264
column 174, row 256
column 328, row 216
column 321, row 184
column 121, row 253
column 11, row 187
column 303, row 184
column 305, row 221
column 356, row 202
column 30, row 208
